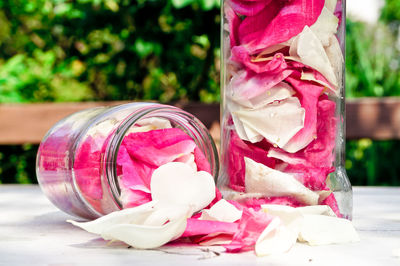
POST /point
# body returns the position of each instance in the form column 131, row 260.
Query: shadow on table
column 50, row 221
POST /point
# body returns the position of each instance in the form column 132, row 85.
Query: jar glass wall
column 100, row 160
column 282, row 113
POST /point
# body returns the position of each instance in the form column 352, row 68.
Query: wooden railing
column 375, row 118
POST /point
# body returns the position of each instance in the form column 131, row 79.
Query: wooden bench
column 375, row 118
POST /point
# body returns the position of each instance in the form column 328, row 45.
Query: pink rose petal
column 251, row 225
column 87, row 169
column 201, row 161
column 309, row 94
column 196, row 227
column 249, row 7
column 273, row 67
column 331, row 202
column 157, row 147
column 276, row 24
column 237, row 150
column 233, row 24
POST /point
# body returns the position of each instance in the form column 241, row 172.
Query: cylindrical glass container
column 100, row 160
column 282, row 113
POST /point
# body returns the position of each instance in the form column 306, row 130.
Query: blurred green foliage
column 165, row 50
column 58, row 50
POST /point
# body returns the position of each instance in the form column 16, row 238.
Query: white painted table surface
column 34, row 232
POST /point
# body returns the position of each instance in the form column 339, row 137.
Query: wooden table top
column 33, row 231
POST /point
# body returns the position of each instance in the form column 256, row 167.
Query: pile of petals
column 284, row 78
column 179, row 192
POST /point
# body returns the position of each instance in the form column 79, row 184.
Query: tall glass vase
column 283, row 117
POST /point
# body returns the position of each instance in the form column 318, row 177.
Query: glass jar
column 283, row 116
column 100, row 160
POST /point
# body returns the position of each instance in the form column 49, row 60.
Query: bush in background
column 165, row 50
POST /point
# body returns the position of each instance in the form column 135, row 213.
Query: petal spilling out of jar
column 175, row 194
column 178, row 183
column 277, row 238
column 222, row 211
column 316, row 225
column 324, row 230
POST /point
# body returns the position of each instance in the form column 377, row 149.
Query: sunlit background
column 168, row 50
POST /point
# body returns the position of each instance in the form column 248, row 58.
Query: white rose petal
column 135, row 215
column 145, row 236
column 278, row 123
column 310, row 77
column 277, row 237
column 335, row 55
column 308, row 48
column 279, row 92
column 156, row 122
column 317, row 210
column 222, row 211
column 147, row 226
column 326, row 26
column 260, row 178
column 324, row 230
column 331, row 5
column 178, row 183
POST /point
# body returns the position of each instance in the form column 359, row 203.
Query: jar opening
column 157, row 122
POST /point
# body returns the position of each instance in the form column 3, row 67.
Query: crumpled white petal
column 277, row 122
column 279, row 92
column 147, row 226
column 281, row 234
column 326, row 26
column 316, row 225
column 135, row 215
column 324, row 230
column 178, row 183
column 260, row 178
column 222, row 211
column 308, row 48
